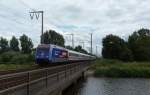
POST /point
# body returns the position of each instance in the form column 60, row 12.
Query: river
column 110, row 86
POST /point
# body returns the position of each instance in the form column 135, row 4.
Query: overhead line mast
column 91, row 43
column 72, row 36
column 37, row 14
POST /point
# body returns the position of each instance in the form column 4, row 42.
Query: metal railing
column 29, row 82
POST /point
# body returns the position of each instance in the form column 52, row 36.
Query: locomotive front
column 42, row 55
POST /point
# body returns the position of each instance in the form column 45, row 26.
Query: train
column 49, row 54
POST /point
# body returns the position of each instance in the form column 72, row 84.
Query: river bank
column 115, row 68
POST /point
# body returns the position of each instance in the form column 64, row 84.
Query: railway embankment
column 13, row 62
column 119, row 69
column 15, row 67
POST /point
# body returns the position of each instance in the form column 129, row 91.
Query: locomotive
column 53, row 54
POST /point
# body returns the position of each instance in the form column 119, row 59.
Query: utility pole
column 96, row 52
column 72, row 39
column 37, row 14
column 82, row 42
column 91, row 43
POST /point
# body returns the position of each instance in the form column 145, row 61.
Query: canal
column 110, row 86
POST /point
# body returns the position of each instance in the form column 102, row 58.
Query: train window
column 42, row 49
column 73, row 54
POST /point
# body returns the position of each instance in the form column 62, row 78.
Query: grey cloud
column 103, row 17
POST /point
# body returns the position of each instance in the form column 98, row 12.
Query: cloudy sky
column 80, row 17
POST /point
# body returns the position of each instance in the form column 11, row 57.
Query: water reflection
column 110, row 86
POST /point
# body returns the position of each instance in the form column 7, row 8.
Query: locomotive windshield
column 42, row 51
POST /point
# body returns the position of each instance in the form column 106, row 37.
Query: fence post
column 28, row 85
column 46, row 78
column 65, row 71
column 76, row 68
column 70, row 70
column 57, row 76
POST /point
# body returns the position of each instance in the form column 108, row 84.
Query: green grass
column 9, row 66
column 115, row 68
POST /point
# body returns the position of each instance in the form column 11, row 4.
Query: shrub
column 21, row 58
column 108, row 68
column 31, row 58
column 16, row 57
column 7, row 56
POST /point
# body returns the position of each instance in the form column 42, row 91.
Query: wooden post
column 28, row 85
column 58, row 76
column 65, row 71
column 46, row 78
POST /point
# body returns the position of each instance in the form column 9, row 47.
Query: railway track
column 4, row 72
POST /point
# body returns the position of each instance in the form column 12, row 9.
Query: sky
column 80, row 17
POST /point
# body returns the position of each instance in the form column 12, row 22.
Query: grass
column 9, row 66
column 115, row 68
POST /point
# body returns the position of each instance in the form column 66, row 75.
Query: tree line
column 21, row 50
column 25, row 46
column 135, row 48
column 16, row 50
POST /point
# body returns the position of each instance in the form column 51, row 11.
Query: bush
column 7, row 56
column 16, row 57
column 115, row 68
column 31, row 58
column 21, row 58
column 123, row 72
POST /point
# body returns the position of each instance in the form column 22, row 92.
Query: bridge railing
column 29, row 83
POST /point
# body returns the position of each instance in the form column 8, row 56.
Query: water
column 110, row 86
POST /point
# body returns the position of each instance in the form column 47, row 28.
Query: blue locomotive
column 52, row 54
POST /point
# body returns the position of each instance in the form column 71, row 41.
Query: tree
column 14, row 44
column 116, row 48
column 80, row 49
column 26, row 44
column 126, row 54
column 69, row 47
column 139, row 43
column 52, row 37
column 3, row 45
